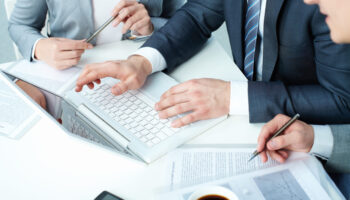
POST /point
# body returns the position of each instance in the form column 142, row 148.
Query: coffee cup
column 213, row 193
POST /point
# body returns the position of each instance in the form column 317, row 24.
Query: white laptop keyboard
column 135, row 112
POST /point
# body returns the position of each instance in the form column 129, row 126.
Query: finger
column 176, row 110
column 120, row 88
column 269, row 129
column 122, row 4
column 98, row 81
column 180, row 88
column 275, row 156
column 283, row 153
column 73, row 45
column 132, row 20
column 125, row 13
column 63, row 55
column 188, row 119
column 144, row 22
column 65, row 64
column 96, row 71
column 171, row 101
column 263, row 156
column 281, row 142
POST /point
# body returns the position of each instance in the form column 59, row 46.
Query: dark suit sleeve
column 326, row 102
column 187, row 31
column 340, row 161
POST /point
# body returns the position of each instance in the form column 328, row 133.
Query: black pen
column 291, row 121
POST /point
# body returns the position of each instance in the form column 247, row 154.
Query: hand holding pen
column 297, row 136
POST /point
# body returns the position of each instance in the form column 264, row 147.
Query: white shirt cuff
column 239, row 98
column 154, row 57
column 323, row 141
column 33, row 49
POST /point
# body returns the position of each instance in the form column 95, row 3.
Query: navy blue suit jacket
column 303, row 70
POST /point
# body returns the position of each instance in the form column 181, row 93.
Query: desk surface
column 47, row 163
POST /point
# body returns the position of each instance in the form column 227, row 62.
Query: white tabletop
column 48, row 163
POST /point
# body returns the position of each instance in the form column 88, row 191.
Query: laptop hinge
column 103, row 126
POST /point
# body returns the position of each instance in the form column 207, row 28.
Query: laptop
column 17, row 114
column 127, row 123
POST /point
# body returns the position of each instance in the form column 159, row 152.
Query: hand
column 60, row 53
column 135, row 17
column 33, row 92
column 299, row 136
column 204, row 98
column 132, row 74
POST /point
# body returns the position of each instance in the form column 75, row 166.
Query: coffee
column 213, row 197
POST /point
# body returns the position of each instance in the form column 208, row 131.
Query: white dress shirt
column 239, row 103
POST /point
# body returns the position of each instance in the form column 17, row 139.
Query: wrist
column 37, row 52
column 227, row 100
column 141, row 63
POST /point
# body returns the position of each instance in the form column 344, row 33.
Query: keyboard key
column 149, row 126
column 150, row 136
column 167, row 131
column 156, row 140
column 161, row 135
column 143, row 139
column 139, row 128
column 154, row 130
column 144, row 132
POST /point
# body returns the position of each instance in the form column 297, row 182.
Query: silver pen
column 101, row 28
column 256, row 153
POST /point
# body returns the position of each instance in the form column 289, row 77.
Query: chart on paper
column 280, row 185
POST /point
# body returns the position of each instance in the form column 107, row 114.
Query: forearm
column 314, row 103
column 185, row 33
column 27, row 19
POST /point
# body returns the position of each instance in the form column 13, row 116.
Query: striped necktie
column 251, row 33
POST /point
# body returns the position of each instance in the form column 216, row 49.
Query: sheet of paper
column 15, row 116
column 44, row 76
column 200, row 165
column 289, row 181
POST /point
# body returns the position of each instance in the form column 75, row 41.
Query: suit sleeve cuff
column 33, row 49
column 323, row 141
column 239, row 98
column 154, row 57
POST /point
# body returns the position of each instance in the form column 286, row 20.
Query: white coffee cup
column 213, row 190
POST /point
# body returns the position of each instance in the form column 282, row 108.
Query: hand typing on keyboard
column 132, row 74
column 134, row 111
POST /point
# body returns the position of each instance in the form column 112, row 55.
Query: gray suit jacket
column 340, row 159
column 69, row 19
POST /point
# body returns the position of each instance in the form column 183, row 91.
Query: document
column 191, row 169
column 44, row 76
column 16, row 116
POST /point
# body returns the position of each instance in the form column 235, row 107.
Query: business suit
column 74, row 21
column 303, row 70
column 339, row 160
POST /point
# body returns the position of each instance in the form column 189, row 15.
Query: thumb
column 280, row 142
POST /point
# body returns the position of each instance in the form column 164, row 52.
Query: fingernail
column 90, row 46
column 156, row 106
column 115, row 91
column 272, row 144
column 175, row 124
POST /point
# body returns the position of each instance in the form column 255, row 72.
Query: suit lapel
column 234, row 16
column 273, row 8
column 87, row 14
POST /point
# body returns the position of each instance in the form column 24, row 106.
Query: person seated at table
column 283, row 48
column 70, row 22
column 330, row 143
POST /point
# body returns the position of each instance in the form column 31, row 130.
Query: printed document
column 191, row 168
column 16, row 115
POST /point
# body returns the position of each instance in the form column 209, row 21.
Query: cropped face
column 338, row 18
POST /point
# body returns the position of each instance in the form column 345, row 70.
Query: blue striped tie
column 251, row 33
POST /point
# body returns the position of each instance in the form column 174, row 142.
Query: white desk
column 47, row 163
